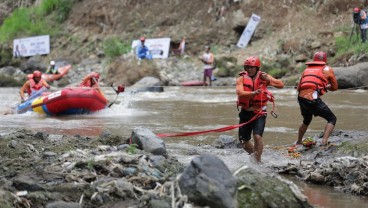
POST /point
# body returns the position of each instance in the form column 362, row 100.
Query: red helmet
column 142, row 39
column 252, row 61
column 95, row 75
column 37, row 74
column 320, row 56
column 356, row 10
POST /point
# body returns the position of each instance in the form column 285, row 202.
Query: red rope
column 226, row 128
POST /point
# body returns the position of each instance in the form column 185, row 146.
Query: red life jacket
column 249, row 85
column 313, row 78
column 33, row 86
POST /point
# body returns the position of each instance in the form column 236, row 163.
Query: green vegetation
column 113, row 47
column 91, row 163
column 349, row 44
column 132, row 149
column 32, row 21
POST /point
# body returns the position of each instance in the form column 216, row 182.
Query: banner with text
column 158, row 47
column 248, row 31
column 37, row 45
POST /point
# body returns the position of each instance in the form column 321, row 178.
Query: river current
column 190, row 109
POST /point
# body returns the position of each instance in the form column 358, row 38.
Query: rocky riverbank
column 41, row 170
column 343, row 165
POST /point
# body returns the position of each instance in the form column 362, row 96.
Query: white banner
column 158, row 47
column 248, row 31
column 31, row 46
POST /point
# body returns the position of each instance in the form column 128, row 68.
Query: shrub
column 113, row 47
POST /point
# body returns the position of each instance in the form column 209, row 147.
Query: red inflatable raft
column 79, row 100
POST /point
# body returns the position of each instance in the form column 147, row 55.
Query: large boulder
column 208, row 182
column 148, row 141
column 148, row 84
column 353, row 76
column 258, row 190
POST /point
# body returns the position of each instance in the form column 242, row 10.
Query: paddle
column 120, row 89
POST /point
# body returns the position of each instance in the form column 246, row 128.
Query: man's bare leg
column 302, row 129
column 326, row 134
column 258, row 147
column 248, row 147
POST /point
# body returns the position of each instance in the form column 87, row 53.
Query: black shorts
column 257, row 126
column 310, row 108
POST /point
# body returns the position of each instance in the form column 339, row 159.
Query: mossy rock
column 8, row 81
column 256, row 189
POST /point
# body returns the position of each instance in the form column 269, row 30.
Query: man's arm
column 24, row 88
column 332, row 82
column 241, row 92
column 271, row 81
column 44, row 83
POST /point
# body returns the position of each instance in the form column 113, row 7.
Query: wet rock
column 225, row 141
column 154, row 203
column 49, row 154
column 25, row 183
column 62, row 204
column 148, row 84
column 148, row 141
column 13, row 144
column 208, row 182
column 122, row 147
column 256, row 189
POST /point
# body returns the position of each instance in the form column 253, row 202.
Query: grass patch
column 350, row 44
column 114, row 47
column 32, row 21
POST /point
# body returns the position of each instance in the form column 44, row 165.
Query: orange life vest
column 33, row 86
column 313, row 78
column 249, row 85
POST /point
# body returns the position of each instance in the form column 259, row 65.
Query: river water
column 189, row 109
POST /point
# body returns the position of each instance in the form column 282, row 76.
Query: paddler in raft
column 91, row 80
column 33, row 85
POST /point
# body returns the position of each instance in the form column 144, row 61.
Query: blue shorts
column 257, row 126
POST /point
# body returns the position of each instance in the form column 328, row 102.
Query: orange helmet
column 37, row 74
column 252, row 61
column 142, row 39
column 320, row 56
column 356, row 10
column 95, row 75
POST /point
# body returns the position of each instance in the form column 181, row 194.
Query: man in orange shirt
column 251, row 88
column 316, row 79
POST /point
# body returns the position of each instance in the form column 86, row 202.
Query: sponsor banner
column 158, row 47
column 248, row 31
column 37, row 45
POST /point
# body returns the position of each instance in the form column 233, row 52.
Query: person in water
column 316, row 79
column 34, row 84
column 52, row 69
column 251, row 88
